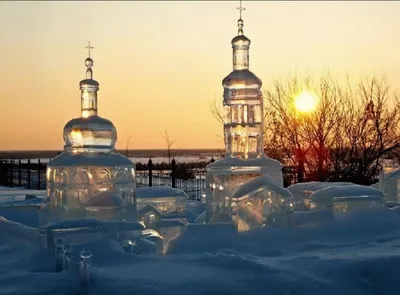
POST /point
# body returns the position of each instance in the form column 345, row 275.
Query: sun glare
column 306, row 102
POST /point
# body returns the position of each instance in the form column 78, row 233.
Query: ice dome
column 240, row 41
column 90, row 134
column 241, row 79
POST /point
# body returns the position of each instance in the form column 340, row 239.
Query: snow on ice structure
column 347, row 199
column 260, row 201
column 167, row 200
column 89, row 179
column 389, row 183
column 163, row 211
column 301, row 192
column 243, row 132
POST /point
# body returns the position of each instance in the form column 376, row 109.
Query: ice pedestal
column 351, row 197
column 301, row 192
column 81, row 231
column 244, row 194
column 344, row 206
column 223, row 177
column 389, row 183
column 85, row 266
column 260, row 202
column 99, row 185
column 162, row 229
column 165, row 233
column 166, row 200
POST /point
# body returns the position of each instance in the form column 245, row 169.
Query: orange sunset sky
column 159, row 64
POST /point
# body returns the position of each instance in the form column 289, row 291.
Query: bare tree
column 171, row 152
column 127, row 146
column 216, row 111
column 345, row 138
column 372, row 128
column 286, row 135
column 169, row 143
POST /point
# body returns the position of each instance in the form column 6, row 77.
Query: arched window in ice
column 245, row 114
column 57, row 175
column 82, row 178
column 102, row 176
column 257, row 114
column 227, row 115
column 121, row 176
column 252, row 143
column 64, row 176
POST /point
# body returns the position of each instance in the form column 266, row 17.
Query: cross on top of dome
column 89, row 47
column 89, row 63
column 240, row 21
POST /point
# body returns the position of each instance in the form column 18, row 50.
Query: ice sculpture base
column 245, row 192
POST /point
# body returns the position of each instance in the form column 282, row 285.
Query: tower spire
column 89, row 88
column 240, row 21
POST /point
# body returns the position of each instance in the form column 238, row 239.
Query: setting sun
column 306, row 102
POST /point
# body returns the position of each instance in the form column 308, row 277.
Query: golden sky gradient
column 159, row 64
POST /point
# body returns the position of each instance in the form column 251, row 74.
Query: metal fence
column 31, row 174
column 19, row 173
column 189, row 177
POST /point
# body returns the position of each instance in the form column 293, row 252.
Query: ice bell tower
column 244, row 145
column 243, row 103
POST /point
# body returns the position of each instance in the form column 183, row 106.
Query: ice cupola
column 90, row 132
column 244, row 143
column 89, row 179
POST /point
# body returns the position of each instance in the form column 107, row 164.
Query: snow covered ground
column 358, row 255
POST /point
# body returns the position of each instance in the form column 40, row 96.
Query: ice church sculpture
column 89, row 179
column 244, row 155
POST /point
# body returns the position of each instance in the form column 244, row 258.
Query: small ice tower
column 89, row 179
column 243, row 134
